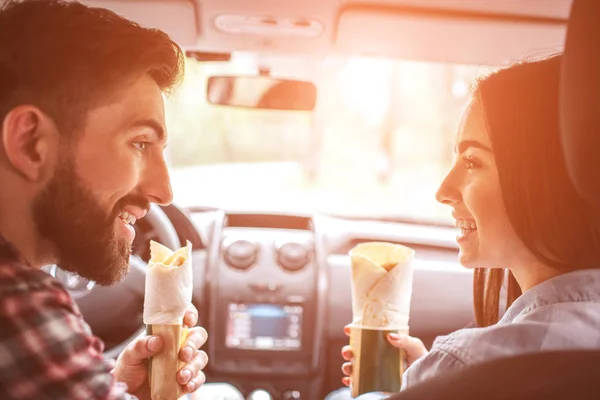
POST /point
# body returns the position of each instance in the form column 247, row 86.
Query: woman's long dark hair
column 520, row 106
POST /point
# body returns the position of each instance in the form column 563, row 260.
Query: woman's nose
column 449, row 192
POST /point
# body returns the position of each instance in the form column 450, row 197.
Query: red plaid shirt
column 47, row 351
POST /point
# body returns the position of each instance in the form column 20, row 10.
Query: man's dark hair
column 66, row 58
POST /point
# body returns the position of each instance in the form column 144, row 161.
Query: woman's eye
column 470, row 162
column 141, row 146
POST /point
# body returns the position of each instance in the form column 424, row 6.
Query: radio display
column 264, row 327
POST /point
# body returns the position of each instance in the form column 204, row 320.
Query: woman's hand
column 131, row 364
column 413, row 347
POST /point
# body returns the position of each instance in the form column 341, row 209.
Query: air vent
column 293, row 256
column 240, row 254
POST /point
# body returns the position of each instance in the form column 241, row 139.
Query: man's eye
column 141, row 146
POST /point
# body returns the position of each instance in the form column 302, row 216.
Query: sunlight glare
column 366, row 83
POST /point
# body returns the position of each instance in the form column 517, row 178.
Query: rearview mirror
column 263, row 92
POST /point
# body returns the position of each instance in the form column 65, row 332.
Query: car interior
column 301, row 130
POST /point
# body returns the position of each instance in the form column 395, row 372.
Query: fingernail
column 394, row 336
column 186, row 375
column 154, row 344
column 192, row 386
column 186, row 353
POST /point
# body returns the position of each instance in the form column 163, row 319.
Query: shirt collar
column 576, row 286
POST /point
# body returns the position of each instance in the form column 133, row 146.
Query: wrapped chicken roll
column 381, row 285
column 168, row 296
column 381, row 293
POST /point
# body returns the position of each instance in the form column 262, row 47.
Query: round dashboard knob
column 292, row 256
column 259, row 394
column 241, row 254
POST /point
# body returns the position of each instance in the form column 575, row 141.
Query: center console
column 267, row 304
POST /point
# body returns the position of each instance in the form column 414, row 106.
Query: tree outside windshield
column 378, row 144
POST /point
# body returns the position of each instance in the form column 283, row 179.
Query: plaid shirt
column 47, row 351
column 562, row 313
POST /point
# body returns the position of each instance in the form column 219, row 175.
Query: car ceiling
column 492, row 32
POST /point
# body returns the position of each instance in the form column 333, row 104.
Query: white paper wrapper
column 382, row 278
column 169, row 285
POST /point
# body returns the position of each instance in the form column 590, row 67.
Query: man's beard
column 81, row 234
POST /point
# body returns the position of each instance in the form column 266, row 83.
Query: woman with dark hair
column 521, row 222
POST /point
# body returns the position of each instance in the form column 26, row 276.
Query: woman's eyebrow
column 465, row 144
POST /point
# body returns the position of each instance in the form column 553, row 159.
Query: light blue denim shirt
column 562, row 313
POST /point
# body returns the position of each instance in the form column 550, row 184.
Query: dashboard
column 279, row 294
column 274, row 293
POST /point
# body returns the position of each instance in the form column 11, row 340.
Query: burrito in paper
column 381, row 285
column 169, row 285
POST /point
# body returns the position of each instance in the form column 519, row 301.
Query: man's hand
column 131, row 364
column 413, row 347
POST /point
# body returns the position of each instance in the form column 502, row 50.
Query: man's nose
column 156, row 182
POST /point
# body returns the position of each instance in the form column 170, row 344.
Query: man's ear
column 29, row 140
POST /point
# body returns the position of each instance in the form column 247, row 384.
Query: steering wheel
column 107, row 308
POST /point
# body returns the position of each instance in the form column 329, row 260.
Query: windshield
column 377, row 145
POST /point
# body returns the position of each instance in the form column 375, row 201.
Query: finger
column 142, row 349
column 405, row 342
column 395, row 339
column 347, row 330
column 347, row 353
column 414, row 347
column 195, row 383
column 347, row 368
column 195, row 339
column 191, row 317
column 346, row 381
column 193, row 368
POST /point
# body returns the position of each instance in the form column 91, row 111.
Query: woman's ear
column 29, row 142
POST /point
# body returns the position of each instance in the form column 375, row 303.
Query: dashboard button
column 263, row 287
column 291, row 395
